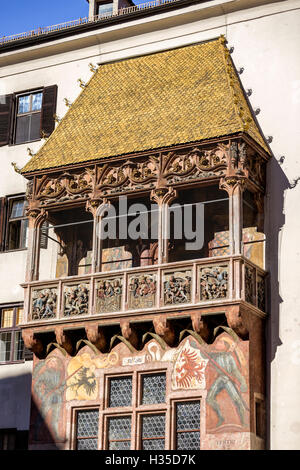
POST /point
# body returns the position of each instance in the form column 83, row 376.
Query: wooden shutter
column 6, row 111
column 2, row 222
column 48, row 109
column 44, row 235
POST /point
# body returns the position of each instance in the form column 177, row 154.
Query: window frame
column 8, row 220
column 13, row 330
column 16, row 114
column 137, row 410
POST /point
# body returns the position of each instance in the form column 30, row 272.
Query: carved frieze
column 43, row 304
column 129, row 176
column 109, row 295
column 177, row 287
column 195, row 164
column 76, row 300
column 67, row 186
column 213, row 282
column 142, row 291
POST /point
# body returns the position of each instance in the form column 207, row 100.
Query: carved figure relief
column 213, row 282
column 177, row 287
column 142, row 291
column 76, row 300
column 129, row 176
column 43, row 304
column 109, row 295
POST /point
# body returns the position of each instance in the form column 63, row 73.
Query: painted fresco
column 112, row 259
column 48, row 386
column 219, row 371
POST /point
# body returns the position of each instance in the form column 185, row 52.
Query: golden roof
column 154, row 101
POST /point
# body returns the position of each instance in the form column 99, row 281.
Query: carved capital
column 33, row 344
column 232, row 183
column 163, row 195
column 63, row 339
column 92, row 205
column 164, row 329
column 96, row 336
column 235, row 321
column 200, row 326
column 129, row 333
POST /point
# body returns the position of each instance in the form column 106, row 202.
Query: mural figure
column 225, row 360
column 48, row 389
column 177, row 289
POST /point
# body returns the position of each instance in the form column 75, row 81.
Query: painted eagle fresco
column 189, row 369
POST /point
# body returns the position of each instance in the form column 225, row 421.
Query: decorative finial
column 16, row 168
column 92, row 67
column 257, row 111
column 249, row 92
column 67, row 102
column 81, row 83
column 269, row 138
column 241, row 70
column 56, row 118
column 281, row 159
column 231, row 49
column 30, row 153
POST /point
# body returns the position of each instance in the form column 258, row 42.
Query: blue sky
column 18, row 16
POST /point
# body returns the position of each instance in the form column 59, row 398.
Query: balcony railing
column 81, row 21
column 180, row 285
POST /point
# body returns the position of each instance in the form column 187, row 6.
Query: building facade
column 146, row 237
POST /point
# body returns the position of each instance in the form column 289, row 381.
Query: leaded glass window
column 188, row 425
column 120, row 391
column 119, row 433
column 87, row 429
column 153, row 389
column 153, row 432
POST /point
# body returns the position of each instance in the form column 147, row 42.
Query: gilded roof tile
column 178, row 96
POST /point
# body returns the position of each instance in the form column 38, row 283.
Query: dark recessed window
column 28, row 117
column 11, row 342
column 17, row 224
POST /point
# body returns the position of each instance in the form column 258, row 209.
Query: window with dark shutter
column 6, row 113
column 48, row 109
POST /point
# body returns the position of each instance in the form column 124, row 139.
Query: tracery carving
column 213, row 282
column 76, row 300
column 261, row 293
column 195, row 164
column 129, row 176
column 44, row 304
column 249, row 284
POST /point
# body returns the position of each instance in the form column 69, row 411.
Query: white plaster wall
column 266, row 40
column 15, row 389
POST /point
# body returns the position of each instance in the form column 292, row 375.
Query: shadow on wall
column 15, row 396
column 277, row 184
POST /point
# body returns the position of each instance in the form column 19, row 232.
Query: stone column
column 234, row 185
column 163, row 197
column 97, row 208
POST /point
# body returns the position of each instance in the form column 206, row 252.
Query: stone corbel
column 235, row 321
column 164, row 329
column 33, row 344
column 63, row 339
column 129, row 333
column 200, row 326
column 96, row 336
